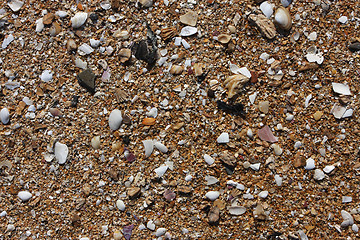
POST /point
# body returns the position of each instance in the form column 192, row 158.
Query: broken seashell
column 283, row 18
column 148, row 147
column 198, row 70
column 266, row 27
column 267, row 9
column 79, row 19
column 15, row 5
column 235, row 83
column 176, row 70
column 341, row 88
column 168, row 33
column 148, row 121
column 188, row 31
column 236, row 210
column 224, row 38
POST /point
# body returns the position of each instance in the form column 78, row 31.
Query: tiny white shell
column 212, row 195
column 161, row 147
column 283, row 18
column 79, row 19
column 160, row 171
column 4, row 116
column 115, row 119
column 148, row 147
column 188, row 31
column 223, row 138
column 237, row 210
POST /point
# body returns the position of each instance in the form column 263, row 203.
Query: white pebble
column 10, row 228
column 255, row 166
column 61, row 152
column 46, row 76
column 249, row 133
column 24, row 195
column 319, row 175
column 267, row 9
column 223, row 138
column 177, row 41
column 289, row 117
column 161, row 147
column 263, row 194
column 278, row 180
column 185, row 44
column 79, row 19
column 212, row 195
column 115, row 119
column 343, row 19
column 3, row 214
column 208, row 159
column 160, row 232
column 328, row 169
column 355, row 228
column 277, row 149
column 346, row 199
column 148, row 147
column 150, row 225
column 310, row 164
column 5, row 116
column 94, row 43
column 120, row 205
column 95, row 142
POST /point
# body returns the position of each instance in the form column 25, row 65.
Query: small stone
column 95, row 142
column 278, row 180
column 354, row 47
column 75, row 219
column 79, row 19
column 124, row 55
column 117, row 235
column 267, row 9
column 310, row 164
column 80, row 63
column 160, row 231
column 223, row 138
column 115, row 119
column 328, row 169
column 346, row 199
column 4, row 116
column 255, row 166
column 343, row 19
column 265, row 134
column 208, row 159
column 249, row 133
column 134, row 192
column 299, row 160
column 149, row 121
column 61, row 152
column 120, row 205
column 46, row 76
column 161, row 147
column 263, row 194
column 71, row 45
column 151, row 225
column 277, row 149
column 55, row 112
column 348, row 219
column 184, row 189
column 190, row 18
column 212, row 195
column 86, row 79
column 169, row 195
column 24, row 195
column 214, row 215
column 176, row 70
column 318, row 115
column 236, row 210
column 319, row 175
column 355, row 228
column 266, row 26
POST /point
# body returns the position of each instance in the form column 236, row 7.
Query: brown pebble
column 75, row 219
column 134, row 192
column 299, row 160
column 214, row 215
column 55, row 112
column 149, row 121
column 48, row 18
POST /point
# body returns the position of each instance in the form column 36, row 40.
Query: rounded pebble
column 24, row 195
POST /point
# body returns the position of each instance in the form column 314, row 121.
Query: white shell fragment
column 208, row 159
column 346, row 199
column 278, row 180
column 79, row 19
column 95, row 142
column 150, row 225
column 318, row 58
column 85, row 49
column 160, row 231
column 115, row 119
column 161, row 147
column 236, row 210
column 310, row 164
column 263, row 194
column 39, row 25
column 61, row 152
column 223, row 138
column 46, row 76
column 212, row 195
column 4, row 116
column 61, row 13
column 148, row 147
column 7, row 41
column 341, row 88
column 343, row 19
column 160, row 171
column 210, row 180
column 24, row 195
column 328, row 169
column 267, row 9
column 319, row 175
column 348, row 219
column 341, row 112
column 283, row 18
column 120, row 205
column 237, row 70
column 188, row 31
column 15, row 5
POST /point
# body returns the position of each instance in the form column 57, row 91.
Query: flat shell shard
column 61, row 152
column 168, row 33
column 223, row 138
column 161, row 147
column 236, row 210
column 148, row 147
column 86, row 79
column 242, row 71
column 265, row 26
column 190, row 18
column 15, row 5
column 265, row 134
column 338, row 111
column 160, row 171
column 79, row 19
column 341, row 88
column 130, row 157
column 127, row 231
column 235, row 83
column 188, row 31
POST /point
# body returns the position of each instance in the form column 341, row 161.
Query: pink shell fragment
column 169, row 195
column 265, row 134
